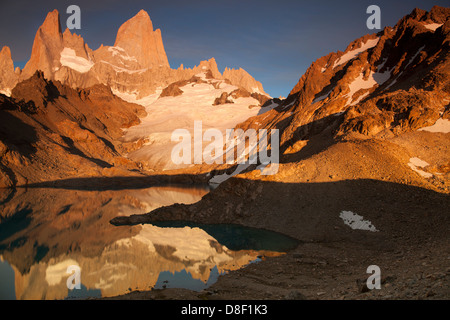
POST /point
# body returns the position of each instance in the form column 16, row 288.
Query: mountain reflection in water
column 43, row 231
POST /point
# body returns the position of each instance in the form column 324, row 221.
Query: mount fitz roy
column 137, row 63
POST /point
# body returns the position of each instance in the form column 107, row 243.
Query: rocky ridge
column 50, row 131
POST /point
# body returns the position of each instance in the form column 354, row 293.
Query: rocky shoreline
column 328, row 271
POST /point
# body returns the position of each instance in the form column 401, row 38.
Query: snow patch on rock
column 120, row 69
column 357, row 222
column 117, row 51
column 415, row 162
column 356, row 52
column 432, row 26
column 6, row 92
column 375, row 78
column 166, row 114
column 70, row 59
column 441, row 125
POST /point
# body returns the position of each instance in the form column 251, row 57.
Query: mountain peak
column 144, row 14
column 243, row 79
column 7, row 75
column 437, row 15
column 47, row 45
column 136, row 62
column 5, row 52
column 210, row 65
column 140, row 19
column 137, row 37
column 51, row 25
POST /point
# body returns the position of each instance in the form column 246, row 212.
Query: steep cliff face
column 136, row 68
column 8, row 78
column 137, row 38
column 47, row 46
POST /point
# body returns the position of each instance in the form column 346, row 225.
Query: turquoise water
column 7, row 286
column 238, row 237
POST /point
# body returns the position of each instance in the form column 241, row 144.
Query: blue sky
column 274, row 40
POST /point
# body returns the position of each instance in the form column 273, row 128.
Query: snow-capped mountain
column 137, row 63
column 135, row 69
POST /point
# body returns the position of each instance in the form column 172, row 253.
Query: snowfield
column 356, row 52
column 432, row 26
column 375, row 78
column 441, row 125
column 70, row 59
column 167, row 114
column 415, row 162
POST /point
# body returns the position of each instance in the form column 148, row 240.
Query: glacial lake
column 43, row 231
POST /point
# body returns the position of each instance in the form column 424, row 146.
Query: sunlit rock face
column 136, row 64
column 391, row 82
column 76, row 89
column 137, row 38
